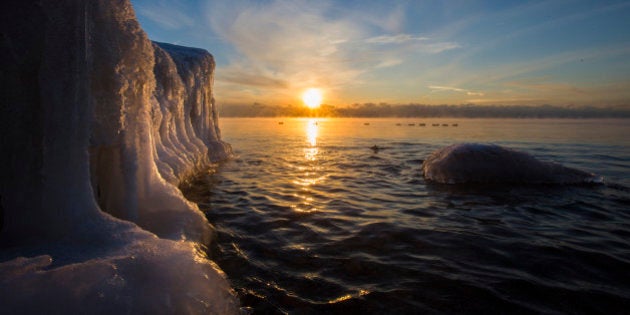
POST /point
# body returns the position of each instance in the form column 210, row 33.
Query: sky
column 566, row 53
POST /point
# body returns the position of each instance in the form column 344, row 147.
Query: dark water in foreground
column 310, row 220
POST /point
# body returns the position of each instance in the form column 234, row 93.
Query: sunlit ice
column 312, row 98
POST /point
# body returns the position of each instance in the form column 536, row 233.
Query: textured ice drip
column 487, row 163
column 84, row 120
column 185, row 119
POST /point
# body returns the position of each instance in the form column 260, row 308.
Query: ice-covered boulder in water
column 488, row 163
column 92, row 148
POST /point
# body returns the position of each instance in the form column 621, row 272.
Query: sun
column 312, row 98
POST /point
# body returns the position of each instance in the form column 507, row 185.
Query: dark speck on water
column 376, row 148
column 322, row 225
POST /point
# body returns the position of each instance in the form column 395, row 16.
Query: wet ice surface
column 112, row 268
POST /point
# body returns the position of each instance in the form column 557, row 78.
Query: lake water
column 311, row 220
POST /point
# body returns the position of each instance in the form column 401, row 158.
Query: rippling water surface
column 311, row 220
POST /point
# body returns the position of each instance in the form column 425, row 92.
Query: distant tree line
column 423, row 110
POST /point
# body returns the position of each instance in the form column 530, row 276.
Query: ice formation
column 487, row 163
column 99, row 125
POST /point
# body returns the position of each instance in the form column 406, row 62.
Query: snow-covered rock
column 488, row 163
column 99, row 125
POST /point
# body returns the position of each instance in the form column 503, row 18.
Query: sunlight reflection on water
column 309, row 175
column 312, row 129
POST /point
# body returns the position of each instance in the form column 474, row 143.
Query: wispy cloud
column 389, row 63
column 252, row 79
column 564, row 93
column 436, row 48
column 508, row 101
column 438, row 88
column 285, row 45
column 167, row 14
column 542, row 90
column 529, row 67
column 394, row 39
column 410, row 43
column 517, row 33
column 291, row 45
column 386, row 16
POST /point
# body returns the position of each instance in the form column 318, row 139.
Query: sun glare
column 312, row 98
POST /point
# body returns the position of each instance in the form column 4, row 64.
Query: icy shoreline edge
column 99, row 125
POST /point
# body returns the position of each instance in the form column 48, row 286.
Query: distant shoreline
column 428, row 117
column 370, row 110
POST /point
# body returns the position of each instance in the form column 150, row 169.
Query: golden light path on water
column 312, row 130
column 309, row 170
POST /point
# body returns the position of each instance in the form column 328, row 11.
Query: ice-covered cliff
column 99, row 125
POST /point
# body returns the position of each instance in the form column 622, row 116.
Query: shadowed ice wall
column 96, row 119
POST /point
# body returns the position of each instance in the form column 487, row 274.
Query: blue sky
column 431, row 52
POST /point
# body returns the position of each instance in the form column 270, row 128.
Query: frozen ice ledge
column 98, row 127
column 480, row 163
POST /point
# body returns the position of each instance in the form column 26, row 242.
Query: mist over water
column 310, row 219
